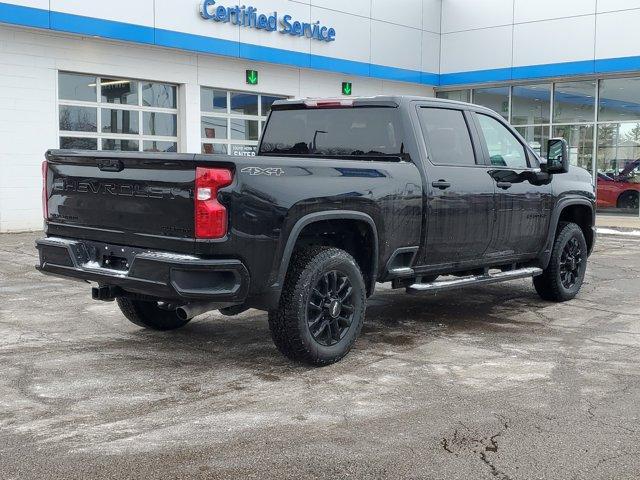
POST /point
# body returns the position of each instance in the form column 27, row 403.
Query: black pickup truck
column 427, row 194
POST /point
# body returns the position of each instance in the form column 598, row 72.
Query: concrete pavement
column 487, row 383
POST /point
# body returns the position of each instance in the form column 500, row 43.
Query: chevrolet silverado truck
column 427, row 194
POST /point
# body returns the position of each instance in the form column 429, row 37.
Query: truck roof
column 376, row 100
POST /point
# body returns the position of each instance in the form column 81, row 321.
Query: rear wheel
column 149, row 315
column 322, row 307
column 629, row 200
column 563, row 277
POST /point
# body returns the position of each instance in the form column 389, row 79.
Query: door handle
column 441, row 184
column 504, row 185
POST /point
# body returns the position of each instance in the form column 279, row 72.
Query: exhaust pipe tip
column 188, row 311
column 183, row 314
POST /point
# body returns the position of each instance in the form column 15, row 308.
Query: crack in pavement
column 463, row 443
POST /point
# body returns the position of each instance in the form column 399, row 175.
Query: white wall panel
column 395, row 45
column 353, row 36
column 28, row 123
column 617, row 34
column 430, row 52
column 476, row 50
column 431, row 15
column 139, row 12
column 355, row 7
column 230, row 74
column 545, row 42
column 612, row 5
column 401, row 12
column 186, row 18
column 459, row 15
column 43, row 4
column 329, row 85
column 400, row 88
column 532, row 11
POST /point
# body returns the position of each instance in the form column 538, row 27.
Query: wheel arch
column 370, row 270
column 577, row 210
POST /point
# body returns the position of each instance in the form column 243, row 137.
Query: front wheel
column 563, row 277
column 322, row 307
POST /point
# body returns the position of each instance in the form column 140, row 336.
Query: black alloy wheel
column 330, row 309
column 570, row 263
column 322, row 306
column 565, row 272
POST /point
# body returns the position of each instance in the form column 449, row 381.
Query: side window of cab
column 505, row 150
column 446, row 134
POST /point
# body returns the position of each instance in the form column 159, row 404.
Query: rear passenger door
column 459, row 192
column 523, row 195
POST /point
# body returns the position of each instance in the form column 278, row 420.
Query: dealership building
column 200, row 76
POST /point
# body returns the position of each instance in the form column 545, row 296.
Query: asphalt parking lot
column 489, row 382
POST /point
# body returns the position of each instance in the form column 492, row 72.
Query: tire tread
column 548, row 285
column 283, row 321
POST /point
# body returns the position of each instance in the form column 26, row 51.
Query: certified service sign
column 251, row 18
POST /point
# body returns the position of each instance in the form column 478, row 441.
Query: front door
column 523, row 194
column 459, row 191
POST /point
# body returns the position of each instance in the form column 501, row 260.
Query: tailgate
column 126, row 198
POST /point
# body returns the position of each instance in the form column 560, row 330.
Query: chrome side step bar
column 401, row 272
column 486, row 278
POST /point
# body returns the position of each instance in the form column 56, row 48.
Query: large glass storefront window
column 618, row 163
column 104, row 113
column 531, row 104
column 619, row 100
column 536, row 136
column 574, row 102
column 599, row 118
column 618, row 152
column 232, row 121
column 580, row 139
column 495, row 98
column 458, row 95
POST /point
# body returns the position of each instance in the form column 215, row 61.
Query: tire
column 629, row 200
column 563, row 277
column 317, row 320
column 149, row 315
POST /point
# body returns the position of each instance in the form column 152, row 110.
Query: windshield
column 372, row 131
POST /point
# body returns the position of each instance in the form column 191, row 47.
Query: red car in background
column 621, row 190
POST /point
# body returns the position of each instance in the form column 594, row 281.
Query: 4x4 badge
column 269, row 171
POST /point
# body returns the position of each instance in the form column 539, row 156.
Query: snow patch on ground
column 611, row 231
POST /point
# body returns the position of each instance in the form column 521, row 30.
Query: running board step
column 442, row 285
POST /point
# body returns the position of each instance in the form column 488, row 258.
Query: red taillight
column 45, row 197
column 210, row 215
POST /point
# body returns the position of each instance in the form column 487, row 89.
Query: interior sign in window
column 250, row 17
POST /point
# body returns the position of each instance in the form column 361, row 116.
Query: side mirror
column 557, row 156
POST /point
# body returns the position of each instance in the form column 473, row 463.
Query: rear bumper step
column 443, row 285
column 160, row 275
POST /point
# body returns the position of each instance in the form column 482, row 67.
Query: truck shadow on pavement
column 394, row 319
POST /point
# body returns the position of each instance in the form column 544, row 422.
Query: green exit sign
column 346, row 88
column 252, row 77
